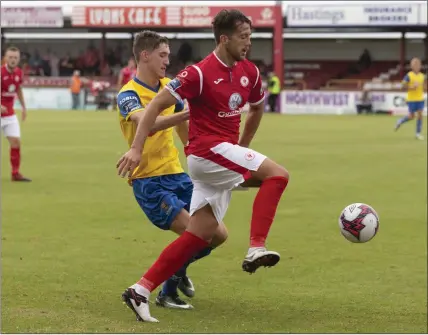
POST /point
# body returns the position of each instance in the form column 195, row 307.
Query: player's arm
column 255, row 114
column 131, row 108
column 20, row 95
column 162, row 122
column 187, row 87
column 182, row 129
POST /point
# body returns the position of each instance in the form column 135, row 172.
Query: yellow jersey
column 160, row 155
column 415, row 94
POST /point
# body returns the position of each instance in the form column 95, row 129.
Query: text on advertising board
column 188, row 17
column 355, row 15
column 31, row 17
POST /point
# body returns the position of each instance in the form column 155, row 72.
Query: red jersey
column 127, row 74
column 216, row 95
column 10, row 84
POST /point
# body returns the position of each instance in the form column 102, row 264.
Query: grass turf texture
column 74, row 238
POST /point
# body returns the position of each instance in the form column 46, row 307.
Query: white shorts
column 217, row 172
column 10, row 126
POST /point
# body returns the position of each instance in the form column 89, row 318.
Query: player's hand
column 128, row 162
column 3, row 110
column 23, row 114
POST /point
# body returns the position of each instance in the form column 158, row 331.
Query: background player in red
column 217, row 88
column 127, row 73
column 11, row 81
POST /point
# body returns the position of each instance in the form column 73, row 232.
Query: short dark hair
column 225, row 22
column 147, row 40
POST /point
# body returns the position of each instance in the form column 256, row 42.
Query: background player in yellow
column 414, row 82
column 161, row 187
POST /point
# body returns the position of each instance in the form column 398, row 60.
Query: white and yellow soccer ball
column 359, row 223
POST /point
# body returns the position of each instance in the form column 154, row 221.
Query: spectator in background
column 185, row 53
column 274, row 89
column 365, row 60
column 53, row 64
column 66, row 66
column 365, row 103
column 75, row 89
column 91, row 61
column 36, row 64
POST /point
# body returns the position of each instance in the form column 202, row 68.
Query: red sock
column 15, row 159
column 172, row 258
column 264, row 209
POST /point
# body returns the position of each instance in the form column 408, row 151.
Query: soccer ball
column 358, row 223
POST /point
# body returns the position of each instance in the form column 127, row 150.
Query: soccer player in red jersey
column 127, row 73
column 11, row 81
column 216, row 89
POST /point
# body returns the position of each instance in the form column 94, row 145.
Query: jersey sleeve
column 179, row 106
column 406, row 79
column 187, row 84
column 129, row 103
column 257, row 94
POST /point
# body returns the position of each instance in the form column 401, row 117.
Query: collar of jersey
column 221, row 62
column 154, row 89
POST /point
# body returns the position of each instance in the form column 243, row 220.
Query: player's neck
column 147, row 77
column 223, row 55
column 10, row 70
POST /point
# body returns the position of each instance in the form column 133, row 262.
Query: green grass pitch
column 74, row 238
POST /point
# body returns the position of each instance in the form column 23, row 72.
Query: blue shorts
column 162, row 198
column 415, row 106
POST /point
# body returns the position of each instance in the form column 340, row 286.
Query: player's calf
column 274, row 181
column 15, row 159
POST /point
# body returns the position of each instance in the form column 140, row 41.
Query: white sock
column 141, row 290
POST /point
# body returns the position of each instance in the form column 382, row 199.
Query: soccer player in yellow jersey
column 414, row 82
column 161, row 187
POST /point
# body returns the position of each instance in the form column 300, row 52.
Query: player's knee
column 411, row 116
column 15, row 142
column 203, row 224
column 278, row 171
column 270, row 169
column 220, row 236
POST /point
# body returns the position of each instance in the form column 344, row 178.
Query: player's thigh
column 412, row 109
column 216, row 198
column 203, row 223
column 220, row 236
column 420, row 109
column 269, row 169
column 184, row 189
column 224, row 166
column 258, row 165
column 180, row 222
column 11, row 130
column 158, row 202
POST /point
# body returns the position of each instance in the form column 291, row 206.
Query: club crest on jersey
column 17, row 78
column 244, row 81
column 249, row 156
column 183, row 74
column 234, row 101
